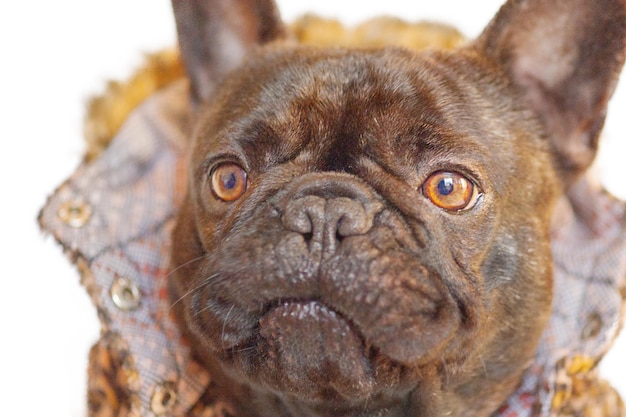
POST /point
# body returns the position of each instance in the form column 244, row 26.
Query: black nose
column 326, row 208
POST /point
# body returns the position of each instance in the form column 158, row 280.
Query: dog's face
column 367, row 232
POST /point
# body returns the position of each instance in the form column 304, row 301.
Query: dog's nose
column 326, row 210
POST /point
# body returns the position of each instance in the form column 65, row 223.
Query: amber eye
column 450, row 191
column 228, row 181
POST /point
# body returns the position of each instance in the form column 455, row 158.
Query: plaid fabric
column 589, row 250
column 131, row 192
column 114, row 215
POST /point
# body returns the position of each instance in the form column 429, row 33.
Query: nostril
column 348, row 217
column 305, row 216
column 350, row 223
column 325, row 222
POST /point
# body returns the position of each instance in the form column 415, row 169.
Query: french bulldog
column 367, row 232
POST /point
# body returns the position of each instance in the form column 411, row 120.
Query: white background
column 53, row 56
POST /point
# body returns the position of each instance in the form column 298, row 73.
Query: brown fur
column 107, row 112
column 333, row 285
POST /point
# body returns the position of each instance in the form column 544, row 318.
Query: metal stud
column 125, row 294
column 75, row 213
column 163, row 399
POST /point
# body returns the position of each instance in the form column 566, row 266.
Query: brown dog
column 366, row 232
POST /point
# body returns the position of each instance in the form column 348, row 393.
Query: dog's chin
column 315, row 353
column 310, row 350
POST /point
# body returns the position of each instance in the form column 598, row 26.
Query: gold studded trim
column 125, row 294
column 113, row 382
column 75, row 213
column 580, row 392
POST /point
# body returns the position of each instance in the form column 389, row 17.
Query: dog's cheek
column 519, row 286
column 186, row 257
column 502, row 265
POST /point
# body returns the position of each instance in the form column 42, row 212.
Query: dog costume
column 115, row 214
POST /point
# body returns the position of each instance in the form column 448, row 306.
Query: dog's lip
column 299, row 308
column 377, row 330
column 309, row 337
column 283, row 302
column 304, row 306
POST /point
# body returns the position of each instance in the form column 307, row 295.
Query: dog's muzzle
column 318, row 282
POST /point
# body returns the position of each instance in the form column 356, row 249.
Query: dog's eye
column 450, row 191
column 229, row 181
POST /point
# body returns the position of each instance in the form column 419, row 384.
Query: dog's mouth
column 308, row 338
column 322, row 349
column 291, row 314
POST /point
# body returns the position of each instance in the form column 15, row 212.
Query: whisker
column 197, row 313
column 446, row 370
column 482, row 361
column 245, row 349
column 186, row 263
column 224, row 324
column 191, row 291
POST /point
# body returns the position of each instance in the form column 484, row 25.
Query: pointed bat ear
column 565, row 56
column 215, row 35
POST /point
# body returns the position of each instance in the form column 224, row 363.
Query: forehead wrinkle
column 322, row 103
column 339, row 102
column 306, row 102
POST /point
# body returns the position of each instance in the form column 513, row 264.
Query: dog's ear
column 565, row 56
column 214, row 36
